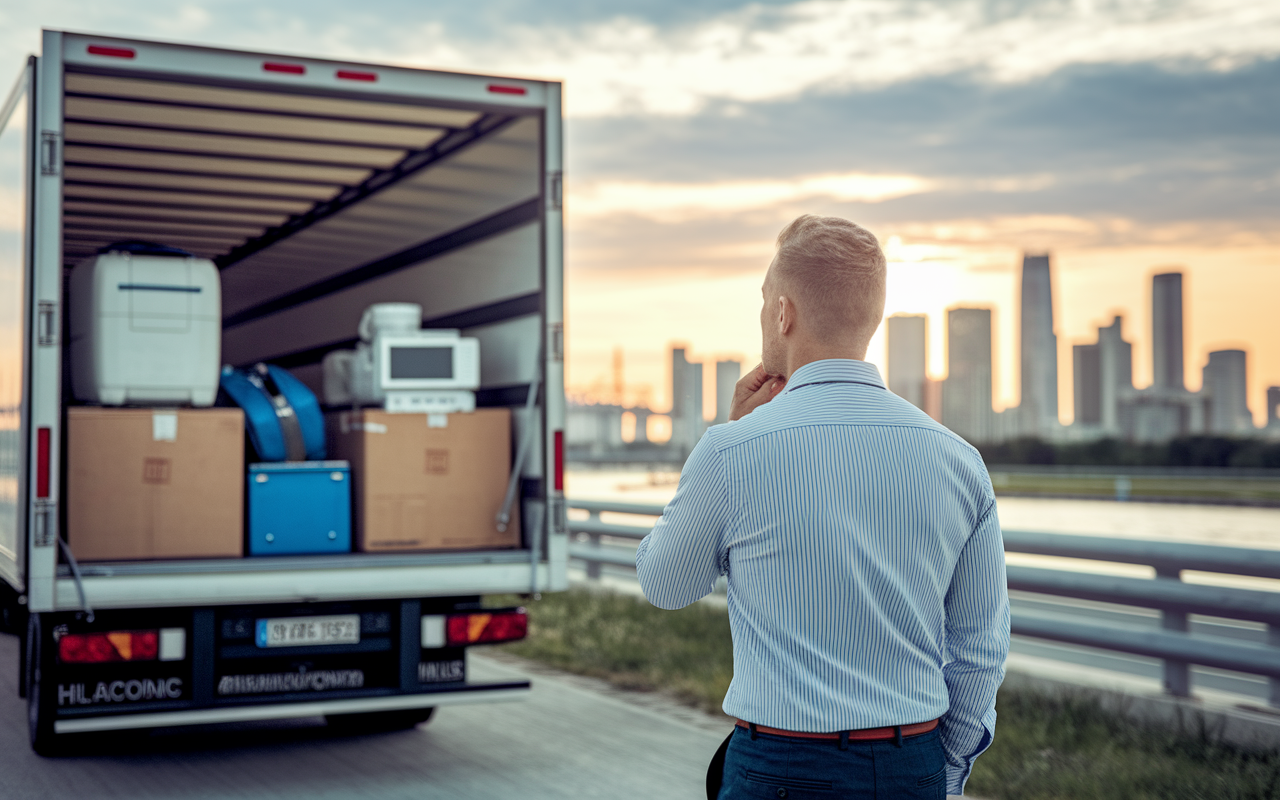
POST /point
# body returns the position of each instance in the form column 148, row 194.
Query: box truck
column 318, row 188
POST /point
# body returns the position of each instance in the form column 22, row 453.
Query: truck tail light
column 111, row 52
column 287, row 69
column 499, row 88
column 559, row 465
column 357, row 75
column 96, row 648
column 42, row 462
column 486, row 627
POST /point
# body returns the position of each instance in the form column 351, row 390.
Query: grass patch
column 632, row 644
column 1064, row 747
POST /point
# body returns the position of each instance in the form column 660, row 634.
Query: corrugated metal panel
column 245, row 146
column 486, row 177
column 276, row 126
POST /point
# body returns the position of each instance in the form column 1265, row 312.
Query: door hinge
column 50, row 153
column 555, row 190
column 556, row 336
column 43, row 529
column 558, row 523
column 47, row 323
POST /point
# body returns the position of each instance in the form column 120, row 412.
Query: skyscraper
column 687, row 424
column 1116, row 370
column 966, row 394
column 1087, row 383
column 1038, row 408
column 1273, row 406
column 907, row 342
column 1103, row 377
column 1226, row 392
column 727, row 375
column 1166, row 331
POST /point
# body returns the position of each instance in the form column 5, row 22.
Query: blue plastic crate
column 299, row 507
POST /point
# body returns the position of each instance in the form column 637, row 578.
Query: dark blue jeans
column 783, row 768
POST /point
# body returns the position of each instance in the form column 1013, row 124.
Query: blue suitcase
column 282, row 415
column 299, row 507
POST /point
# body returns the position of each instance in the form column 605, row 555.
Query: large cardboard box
column 427, row 481
column 155, row 483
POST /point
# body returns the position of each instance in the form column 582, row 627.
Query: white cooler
column 145, row 330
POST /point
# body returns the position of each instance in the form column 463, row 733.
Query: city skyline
column 1170, row 362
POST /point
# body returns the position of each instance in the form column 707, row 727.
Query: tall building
column 1038, row 407
column 1226, row 393
column 1087, row 384
column 1273, row 406
column 1166, row 331
column 686, row 400
column 727, row 375
column 966, row 394
column 1103, row 379
column 907, row 338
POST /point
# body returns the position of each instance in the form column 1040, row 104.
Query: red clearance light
column 42, row 462
column 356, row 75
column 111, row 52
column 498, row 88
column 96, row 648
column 486, row 627
column 288, row 69
column 559, row 465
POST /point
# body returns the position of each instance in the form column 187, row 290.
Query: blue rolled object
column 281, row 414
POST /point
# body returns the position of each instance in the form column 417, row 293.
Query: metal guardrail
column 1166, row 593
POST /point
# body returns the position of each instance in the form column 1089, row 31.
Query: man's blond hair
column 834, row 270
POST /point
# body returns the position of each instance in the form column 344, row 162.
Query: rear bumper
column 478, row 693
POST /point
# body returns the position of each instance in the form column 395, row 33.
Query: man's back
column 863, row 557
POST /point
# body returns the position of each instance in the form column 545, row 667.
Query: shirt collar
column 835, row 370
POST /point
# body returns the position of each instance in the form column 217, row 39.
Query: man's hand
column 755, row 389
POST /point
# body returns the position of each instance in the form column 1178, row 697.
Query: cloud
column 677, row 201
column 625, row 66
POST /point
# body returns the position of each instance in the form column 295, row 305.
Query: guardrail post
column 1177, row 674
column 1273, row 639
column 593, row 567
column 1123, row 487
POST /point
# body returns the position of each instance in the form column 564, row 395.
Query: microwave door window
column 421, row 363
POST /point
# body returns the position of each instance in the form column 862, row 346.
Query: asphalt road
column 573, row 738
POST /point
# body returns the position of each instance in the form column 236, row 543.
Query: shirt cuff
column 958, row 774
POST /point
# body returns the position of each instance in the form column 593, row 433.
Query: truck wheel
column 40, row 708
column 379, row 721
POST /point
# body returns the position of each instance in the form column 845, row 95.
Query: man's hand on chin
column 755, row 389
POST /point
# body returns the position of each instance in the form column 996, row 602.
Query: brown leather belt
column 864, row 735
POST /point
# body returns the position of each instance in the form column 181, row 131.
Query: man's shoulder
column 874, row 410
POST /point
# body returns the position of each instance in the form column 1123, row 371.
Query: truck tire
column 40, row 708
column 379, row 721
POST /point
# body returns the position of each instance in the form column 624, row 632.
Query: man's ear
column 786, row 315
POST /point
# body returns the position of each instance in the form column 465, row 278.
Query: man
column 867, row 592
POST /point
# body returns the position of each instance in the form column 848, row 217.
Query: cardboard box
column 155, row 483
column 427, row 481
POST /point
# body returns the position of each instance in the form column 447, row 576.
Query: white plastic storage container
column 146, row 329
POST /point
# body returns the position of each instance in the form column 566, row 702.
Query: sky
column 1123, row 138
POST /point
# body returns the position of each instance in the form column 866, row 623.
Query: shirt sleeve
column 681, row 558
column 977, row 644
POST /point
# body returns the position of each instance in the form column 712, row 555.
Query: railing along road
column 1172, row 643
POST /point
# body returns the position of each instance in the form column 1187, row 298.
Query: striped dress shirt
column 864, row 561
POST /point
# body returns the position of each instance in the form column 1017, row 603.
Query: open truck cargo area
column 318, row 189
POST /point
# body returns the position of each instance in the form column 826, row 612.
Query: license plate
column 304, row 631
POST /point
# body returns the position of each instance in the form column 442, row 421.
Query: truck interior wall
column 487, row 272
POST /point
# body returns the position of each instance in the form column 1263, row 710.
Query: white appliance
column 145, row 329
column 402, row 367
